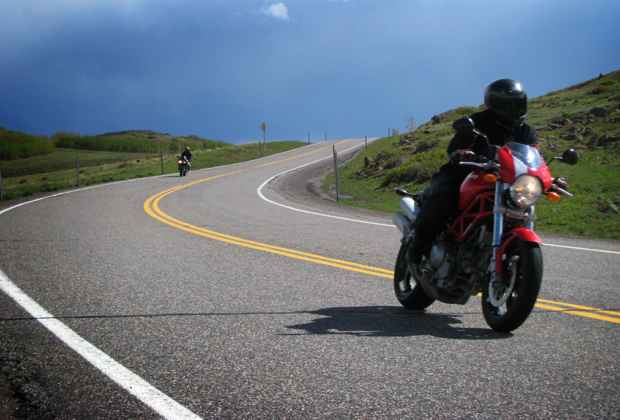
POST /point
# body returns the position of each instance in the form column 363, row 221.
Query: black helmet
column 507, row 99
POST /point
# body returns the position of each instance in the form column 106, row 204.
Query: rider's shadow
column 391, row 321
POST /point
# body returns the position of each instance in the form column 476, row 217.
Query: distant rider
column 502, row 122
column 188, row 155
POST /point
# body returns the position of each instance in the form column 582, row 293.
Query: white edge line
column 132, row 383
column 259, row 192
column 141, row 179
column 583, row 249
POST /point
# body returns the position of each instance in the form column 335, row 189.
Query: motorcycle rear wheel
column 408, row 291
column 507, row 306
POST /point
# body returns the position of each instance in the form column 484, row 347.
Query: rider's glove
column 463, row 156
column 561, row 182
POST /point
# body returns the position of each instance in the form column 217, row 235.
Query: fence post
column 1, row 197
column 308, row 137
column 366, row 140
column 337, row 180
column 77, row 166
column 161, row 154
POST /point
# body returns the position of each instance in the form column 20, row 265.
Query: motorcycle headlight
column 526, row 191
column 180, row 162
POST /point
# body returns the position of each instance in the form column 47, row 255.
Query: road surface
column 237, row 292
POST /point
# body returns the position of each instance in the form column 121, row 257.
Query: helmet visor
column 516, row 108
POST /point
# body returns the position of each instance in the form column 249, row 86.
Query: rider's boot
column 415, row 252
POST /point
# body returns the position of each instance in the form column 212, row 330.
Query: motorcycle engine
column 473, row 255
column 449, row 266
column 440, row 263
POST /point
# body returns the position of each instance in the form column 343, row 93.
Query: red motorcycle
column 489, row 245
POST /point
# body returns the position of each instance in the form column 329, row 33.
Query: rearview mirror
column 570, row 157
column 463, row 124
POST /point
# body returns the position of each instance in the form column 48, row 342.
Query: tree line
column 108, row 145
column 18, row 145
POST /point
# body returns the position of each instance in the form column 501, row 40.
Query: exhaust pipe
column 410, row 208
column 402, row 223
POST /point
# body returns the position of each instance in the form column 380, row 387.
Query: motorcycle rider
column 502, row 122
column 188, row 155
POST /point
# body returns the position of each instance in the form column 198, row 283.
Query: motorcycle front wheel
column 507, row 303
column 408, row 291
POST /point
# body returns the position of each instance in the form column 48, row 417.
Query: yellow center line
column 151, row 206
column 581, row 310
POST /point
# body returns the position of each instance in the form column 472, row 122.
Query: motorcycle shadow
column 392, row 321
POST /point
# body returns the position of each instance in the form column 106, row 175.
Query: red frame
column 475, row 192
column 472, row 215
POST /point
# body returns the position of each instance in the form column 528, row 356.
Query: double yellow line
column 151, row 206
column 586, row 311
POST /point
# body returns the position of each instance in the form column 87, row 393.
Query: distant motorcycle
column 489, row 244
column 183, row 165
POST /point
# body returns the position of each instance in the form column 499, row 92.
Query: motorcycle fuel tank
column 473, row 185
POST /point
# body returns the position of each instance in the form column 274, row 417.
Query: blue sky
column 220, row 68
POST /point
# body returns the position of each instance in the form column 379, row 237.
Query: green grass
column 65, row 159
column 57, row 171
column 595, row 180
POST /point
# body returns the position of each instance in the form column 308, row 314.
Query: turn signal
column 490, row 178
column 553, row 196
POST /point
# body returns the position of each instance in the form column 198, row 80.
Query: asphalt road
column 238, row 292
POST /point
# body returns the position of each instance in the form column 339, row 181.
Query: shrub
column 387, row 155
column 418, row 169
column 212, row 144
column 600, row 89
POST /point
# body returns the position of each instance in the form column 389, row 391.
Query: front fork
column 525, row 233
column 498, row 230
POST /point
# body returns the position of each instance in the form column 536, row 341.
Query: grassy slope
column 595, row 181
column 58, row 170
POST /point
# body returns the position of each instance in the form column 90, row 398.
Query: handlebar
column 488, row 165
column 555, row 187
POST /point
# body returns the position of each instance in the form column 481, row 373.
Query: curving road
column 238, row 292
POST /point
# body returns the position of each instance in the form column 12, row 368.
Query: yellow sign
column 263, row 127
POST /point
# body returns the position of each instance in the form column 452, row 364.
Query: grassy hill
column 585, row 117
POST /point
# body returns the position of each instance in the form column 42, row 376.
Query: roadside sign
column 263, row 127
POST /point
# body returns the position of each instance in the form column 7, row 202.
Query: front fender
column 526, row 235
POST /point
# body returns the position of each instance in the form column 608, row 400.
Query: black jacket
column 187, row 154
column 497, row 134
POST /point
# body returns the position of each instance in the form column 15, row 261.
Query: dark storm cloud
column 219, row 68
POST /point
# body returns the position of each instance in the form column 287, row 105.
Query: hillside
column 585, row 117
column 166, row 139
